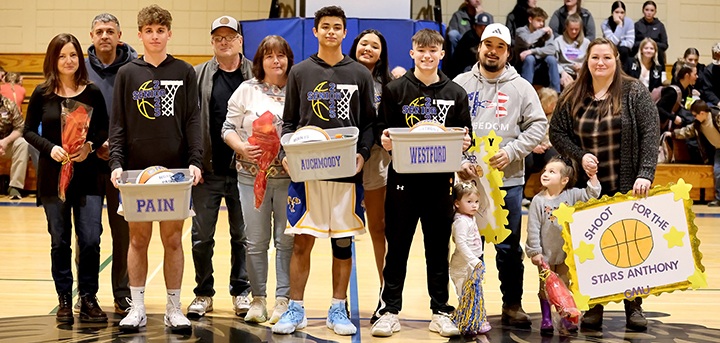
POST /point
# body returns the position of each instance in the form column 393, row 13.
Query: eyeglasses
column 229, row 39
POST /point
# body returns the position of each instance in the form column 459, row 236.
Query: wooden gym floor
column 28, row 296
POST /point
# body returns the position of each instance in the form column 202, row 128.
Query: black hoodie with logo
column 407, row 100
column 316, row 94
column 155, row 118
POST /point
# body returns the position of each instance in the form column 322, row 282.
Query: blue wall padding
column 298, row 33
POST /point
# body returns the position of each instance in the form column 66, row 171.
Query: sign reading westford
column 624, row 247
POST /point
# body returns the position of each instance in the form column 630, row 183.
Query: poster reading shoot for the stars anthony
column 623, row 247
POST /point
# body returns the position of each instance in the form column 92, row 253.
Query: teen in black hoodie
column 404, row 102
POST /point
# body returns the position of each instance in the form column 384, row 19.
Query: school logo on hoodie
column 424, row 108
column 330, row 100
column 156, row 98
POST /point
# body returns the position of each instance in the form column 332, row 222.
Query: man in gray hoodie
column 501, row 101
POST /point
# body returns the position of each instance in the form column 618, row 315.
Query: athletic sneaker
column 338, row 321
column 241, row 304
column 281, row 305
column 76, row 308
column 386, row 325
column 199, row 306
column 174, row 318
column 442, row 324
column 293, row 319
column 135, row 319
column 258, row 310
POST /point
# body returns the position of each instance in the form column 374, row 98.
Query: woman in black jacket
column 651, row 27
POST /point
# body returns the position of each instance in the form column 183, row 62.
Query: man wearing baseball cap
column 466, row 51
column 502, row 101
column 217, row 79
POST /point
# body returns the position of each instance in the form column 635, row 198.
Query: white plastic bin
column 426, row 152
column 322, row 160
column 155, row 202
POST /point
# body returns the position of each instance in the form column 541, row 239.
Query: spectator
column 535, row 48
column 557, row 22
column 461, row 22
column 620, row 30
column 651, row 27
column 13, row 90
column 466, row 53
column 705, row 125
column 518, row 17
column 644, row 66
column 711, row 78
column 692, row 57
column 398, row 72
column 13, row 146
column 672, row 98
column 543, row 152
column 570, row 49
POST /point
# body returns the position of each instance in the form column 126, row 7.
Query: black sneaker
column 635, row 319
column 714, row 203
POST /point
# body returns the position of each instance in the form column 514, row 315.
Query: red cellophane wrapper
column 75, row 124
column 266, row 137
column 558, row 295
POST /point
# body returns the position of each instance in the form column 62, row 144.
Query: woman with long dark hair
column 370, row 49
column 66, row 81
column 650, row 27
column 608, row 122
column 620, row 30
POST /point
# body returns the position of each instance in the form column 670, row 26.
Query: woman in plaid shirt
column 609, row 122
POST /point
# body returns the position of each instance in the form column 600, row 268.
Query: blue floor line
column 354, row 305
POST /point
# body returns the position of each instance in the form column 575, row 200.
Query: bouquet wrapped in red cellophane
column 75, row 120
column 266, row 137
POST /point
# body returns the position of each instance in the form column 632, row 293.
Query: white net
column 343, row 105
column 443, row 108
column 168, row 102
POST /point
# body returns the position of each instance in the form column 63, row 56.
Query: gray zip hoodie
column 510, row 106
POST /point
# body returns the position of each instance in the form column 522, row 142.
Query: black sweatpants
column 409, row 198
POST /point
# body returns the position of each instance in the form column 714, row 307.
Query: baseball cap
column 225, row 21
column 483, row 19
column 497, row 30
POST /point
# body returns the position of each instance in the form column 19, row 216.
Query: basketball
column 155, row 175
column 410, row 118
column 428, row 126
column 146, row 108
column 309, row 134
column 626, row 243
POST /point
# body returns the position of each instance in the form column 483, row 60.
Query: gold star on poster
column 564, row 214
column 581, row 301
column 698, row 279
column 492, row 142
column 495, row 178
column 501, row 234
column 498, row 196
column 585, row 252
column 674, row 237
column 476, row 144
column 489, row 233
column 681, row 190
column 501, row 216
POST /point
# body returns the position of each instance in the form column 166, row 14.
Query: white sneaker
column 257, row 312
column 442, row 324
column 281, row 305
column 76, row 308
column 386, row 325
column 135, row 319
column 174, row 318
column 199, row 306
column 241, row 304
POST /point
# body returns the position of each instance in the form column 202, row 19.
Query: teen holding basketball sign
column 608, row 121
column 155, row 120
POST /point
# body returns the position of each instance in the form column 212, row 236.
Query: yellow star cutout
column 495, row 178
column 674, row 237
column 585, row 252
column 489, row 233
column 681, row 190
column 476, row 144
column 486, row 159
column 501, row 216
column 498, row 195
column 698, row 279
column 501, row 234
column 564, row 214
column 581, row 301
column 492, row 142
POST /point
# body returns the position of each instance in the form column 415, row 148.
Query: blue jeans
column 532, row 63
column 268, row 220
column 206, row 198
column 87, row 214
column 454, row 37
column 509, row 253
column 716, row 172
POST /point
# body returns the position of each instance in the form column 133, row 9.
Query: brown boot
column 635, row 319
column 64, row 312
column 593, row 318
column 515, row 315
column 90, row 311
